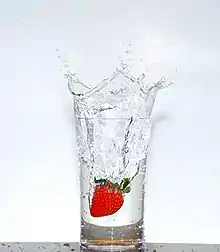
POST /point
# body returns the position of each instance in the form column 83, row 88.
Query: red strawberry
column 108, row 197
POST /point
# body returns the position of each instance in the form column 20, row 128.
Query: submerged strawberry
column 108, row 197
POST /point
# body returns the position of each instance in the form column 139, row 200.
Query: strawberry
column 108, row 197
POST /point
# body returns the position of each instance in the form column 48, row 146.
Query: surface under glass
column 75, row 247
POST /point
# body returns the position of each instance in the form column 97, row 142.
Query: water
column 113, row 123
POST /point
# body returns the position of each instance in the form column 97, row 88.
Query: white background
column 39, row 194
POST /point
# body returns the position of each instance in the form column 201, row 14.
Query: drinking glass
column 113, row 123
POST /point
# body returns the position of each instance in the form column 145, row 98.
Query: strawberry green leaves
column 123, row 187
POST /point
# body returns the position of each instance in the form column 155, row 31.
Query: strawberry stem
column 126, row 182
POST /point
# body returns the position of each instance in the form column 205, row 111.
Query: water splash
column 113, row 123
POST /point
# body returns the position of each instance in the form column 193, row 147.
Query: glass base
column 130, row 237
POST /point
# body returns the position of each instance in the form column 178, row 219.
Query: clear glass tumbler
column 113, row 122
